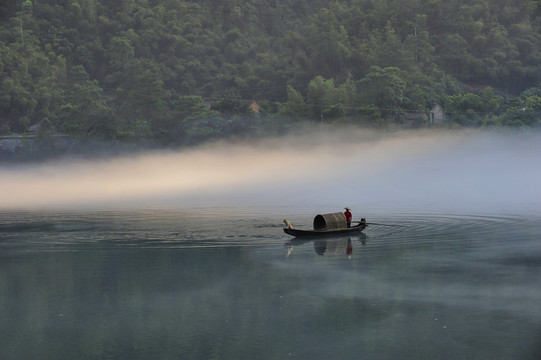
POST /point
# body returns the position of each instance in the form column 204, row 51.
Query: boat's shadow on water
column 331, row 245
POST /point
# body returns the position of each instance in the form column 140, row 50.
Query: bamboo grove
column 179, row 72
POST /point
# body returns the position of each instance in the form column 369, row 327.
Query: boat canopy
column 334, row 221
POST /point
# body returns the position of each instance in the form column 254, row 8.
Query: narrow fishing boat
column 326, row 225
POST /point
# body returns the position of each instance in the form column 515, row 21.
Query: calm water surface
column 229, row 284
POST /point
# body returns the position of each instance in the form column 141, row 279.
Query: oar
column 371, row 223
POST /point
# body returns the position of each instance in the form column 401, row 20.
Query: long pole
column 371, row 223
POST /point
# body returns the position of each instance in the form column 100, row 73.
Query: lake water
column 225, row 283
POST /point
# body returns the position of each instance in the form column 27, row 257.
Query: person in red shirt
column 349, row 216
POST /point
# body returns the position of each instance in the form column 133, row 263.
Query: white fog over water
column 467, row 171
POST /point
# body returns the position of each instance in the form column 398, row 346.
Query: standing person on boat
column 349, row 216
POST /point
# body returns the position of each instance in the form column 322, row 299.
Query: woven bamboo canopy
column 332, row 221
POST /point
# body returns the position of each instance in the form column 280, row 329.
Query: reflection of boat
column 331, row 245
column 335, row 246
column 327, row 225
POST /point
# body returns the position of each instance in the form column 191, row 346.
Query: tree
column 230, row 104
column 330, row 42
column 383, row 88
column 294, row 107
column 383, row 48
column 524, row 111
column 141, row 99
column 418, row 42
column 465, row 109
column 121, row 53
column 86, row 114
column 453, row 52
column 324, row 99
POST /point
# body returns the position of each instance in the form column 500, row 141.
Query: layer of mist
column 466, row 171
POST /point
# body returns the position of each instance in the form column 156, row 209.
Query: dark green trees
column 179, row 72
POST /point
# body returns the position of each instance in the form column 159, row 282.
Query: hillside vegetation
column 183, row 72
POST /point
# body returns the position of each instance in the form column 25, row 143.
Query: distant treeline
column 182, row 72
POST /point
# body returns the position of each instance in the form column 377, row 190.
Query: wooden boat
column 327, row 225
column 316, row 233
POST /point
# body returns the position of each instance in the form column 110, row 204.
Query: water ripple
column 201, row 229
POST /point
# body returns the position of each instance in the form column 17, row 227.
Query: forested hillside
column 182, row 72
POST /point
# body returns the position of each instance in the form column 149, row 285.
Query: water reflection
column 159, row 285
column 335, row 246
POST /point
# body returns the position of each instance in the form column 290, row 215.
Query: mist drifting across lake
column 186, row 258
column 475, row 171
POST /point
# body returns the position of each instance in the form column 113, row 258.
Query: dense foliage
column 181, row 72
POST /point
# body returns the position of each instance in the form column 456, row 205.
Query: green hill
column 182, row 72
